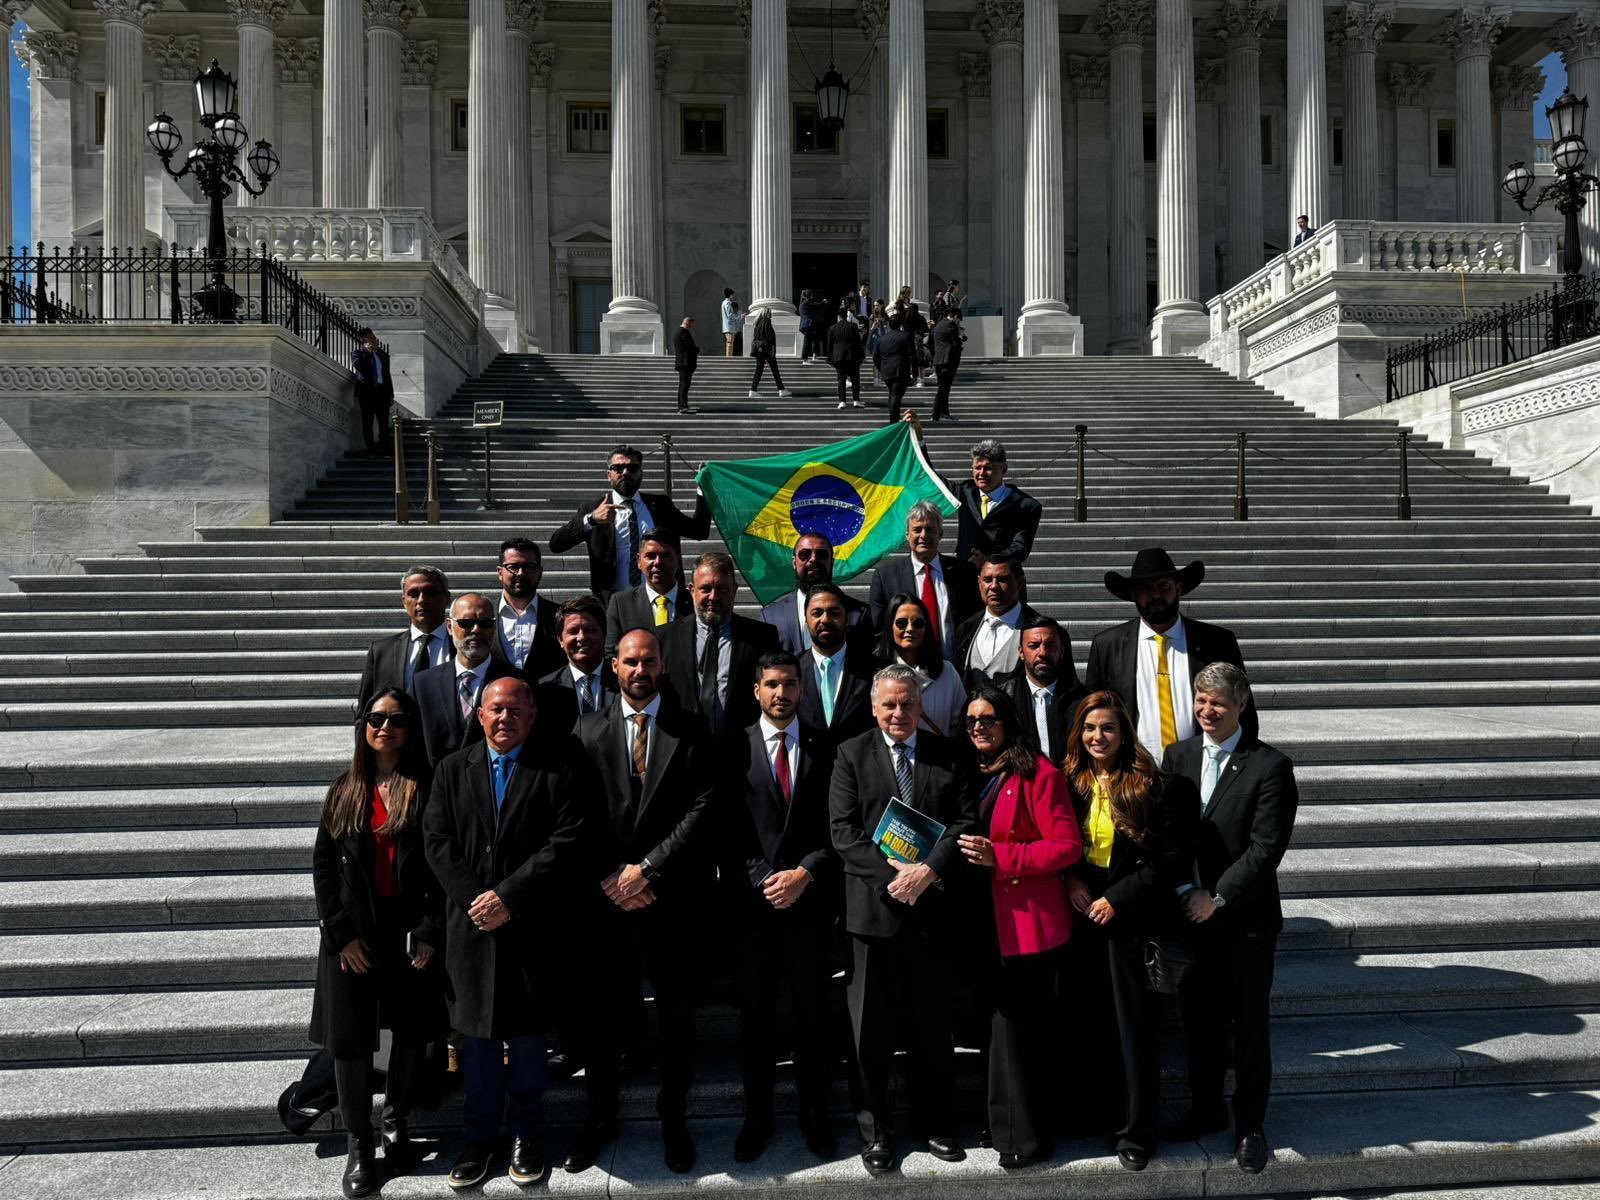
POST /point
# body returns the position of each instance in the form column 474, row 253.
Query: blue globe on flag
column 828, row 505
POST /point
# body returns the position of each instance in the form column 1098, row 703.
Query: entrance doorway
column 590, row 299
column 832, row 275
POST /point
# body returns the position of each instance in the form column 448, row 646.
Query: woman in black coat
column 764, row 349
column 380, row 910
column 1139, row 827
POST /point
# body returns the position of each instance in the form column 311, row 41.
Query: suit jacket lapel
column 617, row 793
column 482, row 785
column 663, row 744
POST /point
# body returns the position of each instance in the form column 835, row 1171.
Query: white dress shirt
column 621, row 522
column 770, row 735
column 1144, row 688
column 517, row 629
column 438, row 650
column 1041, row 697
column 995, row 645
column 947, row 628
column 911, row 752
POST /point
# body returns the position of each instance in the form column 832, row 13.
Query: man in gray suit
column 813, row 564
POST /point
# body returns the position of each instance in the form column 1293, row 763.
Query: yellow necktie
column 661, row 610
column 1169, row 723
column 986, row 508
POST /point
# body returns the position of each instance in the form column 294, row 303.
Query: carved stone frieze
column 177, row 56
column 419, row 63
column 299, row 60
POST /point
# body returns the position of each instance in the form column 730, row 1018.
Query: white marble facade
column 689, row 229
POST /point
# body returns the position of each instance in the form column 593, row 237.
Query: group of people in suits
column 550, row 804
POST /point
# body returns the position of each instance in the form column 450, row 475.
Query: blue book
column 905, row 834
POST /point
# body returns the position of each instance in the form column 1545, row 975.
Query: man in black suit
column 1248, row 800
column 835, row 676
column 988, row 642
column 1045, row 686
column 995, row 518
column 813, row 564
column 846, row 353
column 685, row 357
column 900, row 924
column 1153, row 660
column 1302, row 229
column 374, row 391
column 650, row 791
column 527, row 633
column 394, row 660
column 660, row 597
column 946, row 585
column 947, row 343
column 612, row 525
column 501, row 829
column 583, row 683
column 711, row 660
column 448, row 696
column 894, row 360
column 781, row 868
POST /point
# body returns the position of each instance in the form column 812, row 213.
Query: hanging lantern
column 833, row 93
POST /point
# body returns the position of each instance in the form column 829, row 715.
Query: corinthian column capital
column 1125, row 22
column 389, row 14
column 1241, row 24
column 1000, row 21
column 419, row 63
column 1086, row 76
column 1516, row 87
column 541, row 65
column 1578, row 36
column 47, row 54
column 177, row 56
column 872, row 18
column 128, row 12
column 523, row 16
column 1407, row 82
column 266, row 13
column 1472, row 32
column 1358, row 28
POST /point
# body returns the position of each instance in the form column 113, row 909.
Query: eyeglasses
column 377, row 720
column 470, row 623
column 519, row 566
column 910, row 623
column 988, row 721
column 623, row 468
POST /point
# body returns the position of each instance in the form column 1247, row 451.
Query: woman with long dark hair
column 1027, row 835
column 1139, row 830
column 381, row 913
column 904, row 639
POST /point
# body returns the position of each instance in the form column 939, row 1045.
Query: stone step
column 109, row 809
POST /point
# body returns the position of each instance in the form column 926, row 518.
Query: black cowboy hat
column 1153, row 563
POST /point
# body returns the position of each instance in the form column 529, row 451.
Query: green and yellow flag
column 855, row 493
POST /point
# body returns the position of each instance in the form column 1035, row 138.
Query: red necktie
column 781, row 768
column 930, row 601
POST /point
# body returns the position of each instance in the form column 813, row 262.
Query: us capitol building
column 1095, row 174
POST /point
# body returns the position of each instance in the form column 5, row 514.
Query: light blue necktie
column 829, row 689
column 502, row 775
column 1209, row 773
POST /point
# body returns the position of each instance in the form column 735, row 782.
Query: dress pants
column 899, row 990
column 727, row 345
column 812, row 343
column 684, row 377
column 659, row 941
column 797, row 943
column 374, row 407
column 941, row 399
column 765, row 358
column 1228, row 990
column 852, row 373
column 1093, row 1050
column 1139, row 1015
column 352, row 1078
column 1023, row 1051
column 495, row 1075
column 897, row 393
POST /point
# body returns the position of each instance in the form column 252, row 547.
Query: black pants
column 1139, row 1014
column 851, row 373
column 897, row 393
column 899, row 990
column 1228, row 990
column 946, row 375
column 684, row 378
column 811, row 344
column 375, row 407
column 353, row 1079
column 1023, row 1040
column 766, row 358
column 659, row 942
column 1092, row 1050
column 796, row 943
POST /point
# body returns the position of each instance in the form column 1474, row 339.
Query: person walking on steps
column 764, row 349
column 846, row 354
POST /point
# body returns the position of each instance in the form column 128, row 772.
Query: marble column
column 419, row 64
column 1410, row 85
column 1086, row 76
column 632, row 324
column 1354, row 32
column 1000, row 23
column 1045, row 325
column 386, row 29
column 1180, row 323
column 1208, row 76
column 51, row 60
column 1515, row 90
column 975, row 152
column 1578, row 40
column 257, row 23
column 1471, row 34
column 771, row 222
column 1123, row 25
column 872, row 17
column 1240, row 26
column 122, row 192
column 908, row 152
column 541, row 65
column 522, row 18
column 490, row 253
column 1308, row 115
column 661, row 63
column 344, row 152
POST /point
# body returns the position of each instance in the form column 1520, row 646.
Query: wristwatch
column 647, row 869
column 1219, row 900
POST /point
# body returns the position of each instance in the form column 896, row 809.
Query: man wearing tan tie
column 995, row 517
column 1152, row 660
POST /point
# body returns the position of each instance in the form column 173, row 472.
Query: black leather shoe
column 1014, row 1162
column 361, row 1167
column 877, row 1157
column 1196, row 1124
column 562, row 1065
column 985, row 1138
column 677, row 1147
column 527, row 1164
column 751, row 1140
column 399, row 1151
column 586, row 1147
column 471, row 1167
column 1252, row 1153
column 1134, row 1158
column 946, row 1148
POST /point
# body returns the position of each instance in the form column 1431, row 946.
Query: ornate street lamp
column 213, row 161
column 833, row 90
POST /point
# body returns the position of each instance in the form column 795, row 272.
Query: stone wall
column 110, row 437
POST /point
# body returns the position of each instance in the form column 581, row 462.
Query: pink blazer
column 1036, row 837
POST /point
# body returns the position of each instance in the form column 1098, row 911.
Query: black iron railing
column 1497, row 337
column 86, row 285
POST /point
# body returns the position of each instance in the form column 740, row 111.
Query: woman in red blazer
column 1032, row 836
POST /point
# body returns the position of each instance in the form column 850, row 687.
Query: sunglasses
column 471, row 623
column 910, row 623
column 624, row 468
column 808, row 555
column 377, row 720
column 985, row 722
column 519, row 566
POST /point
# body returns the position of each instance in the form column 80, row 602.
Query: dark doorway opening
column 832, row 275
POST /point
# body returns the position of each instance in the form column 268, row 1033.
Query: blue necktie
column 902, row 772
column 502, row 775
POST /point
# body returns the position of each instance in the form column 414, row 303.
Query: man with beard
column 527, row 620
column 1152, row 660
column 711, row 660
column 987, row 642
column 813, row 564
column 1045, row 686
column 660, row 597
column 448, row 696
column 835, row 677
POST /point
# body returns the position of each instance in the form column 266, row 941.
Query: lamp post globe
column 230, row 131
column 1518, row 180
column 264, row 161
column 163, row 135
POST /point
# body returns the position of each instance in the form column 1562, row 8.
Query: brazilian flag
column 855, row 493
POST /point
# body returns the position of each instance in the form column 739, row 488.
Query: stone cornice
column 974, row 68
column 1086, row 76
column 266, row 13
column 177, row 56
column 1125, row 22
column 1473, row 31
column 1241, row 24
column 1407, row 82
column 299, row 60
column 1358, row 28
column 1000, row 21
column 128, row 12
column 523, row 16
column 1516, row 87
column 541, row 64
column 394, row 15
column 419, row 63
column 47, row 54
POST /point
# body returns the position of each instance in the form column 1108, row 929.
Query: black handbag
column 1165, row 965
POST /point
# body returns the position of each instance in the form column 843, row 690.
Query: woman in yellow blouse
column 1138, row 828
